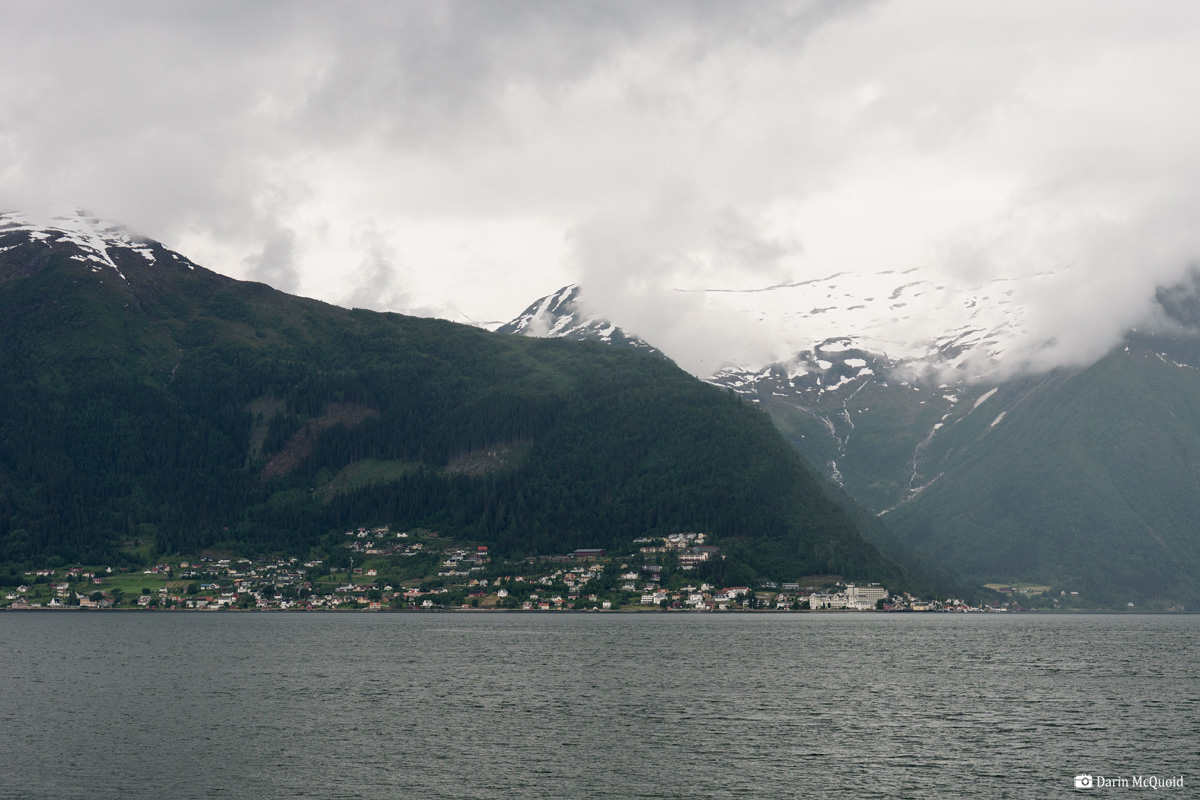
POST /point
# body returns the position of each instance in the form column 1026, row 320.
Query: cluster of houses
column 689, row 548
column 462, row 562
column 267, row 587
column 465, row 576
column 382, row 542
column 791, row 597
column 872, row 597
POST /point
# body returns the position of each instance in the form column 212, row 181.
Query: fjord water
column 492, row 705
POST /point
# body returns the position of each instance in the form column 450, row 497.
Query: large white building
column 858, row 598
column 871, row 593
column 818, row 600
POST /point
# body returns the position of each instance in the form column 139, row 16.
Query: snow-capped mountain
column 559, row 315
column 957, row 327
column 99, row 244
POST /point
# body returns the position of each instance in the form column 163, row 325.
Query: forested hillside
column 160, row 402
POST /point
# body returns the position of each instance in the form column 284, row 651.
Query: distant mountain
column 559, row 316
column 904, row 316
column 1085, row 480
column 148, row 400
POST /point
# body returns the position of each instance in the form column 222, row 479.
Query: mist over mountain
column 942, row 329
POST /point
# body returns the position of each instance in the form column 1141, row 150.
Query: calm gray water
column 458, row 705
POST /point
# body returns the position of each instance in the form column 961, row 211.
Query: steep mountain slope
column 1090, row 481
column 1085, row 480
column 147, row 398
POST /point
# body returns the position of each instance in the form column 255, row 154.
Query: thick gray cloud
column 275, row 265
column 635, row 262
column 462, row 158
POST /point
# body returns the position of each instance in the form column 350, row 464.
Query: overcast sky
column 463, row 158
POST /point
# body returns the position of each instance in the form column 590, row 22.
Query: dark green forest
column 188, row 410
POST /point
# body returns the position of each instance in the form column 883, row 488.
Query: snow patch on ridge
column 92, row 236
column 984, row 398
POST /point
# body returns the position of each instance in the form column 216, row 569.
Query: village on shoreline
column 375, row 569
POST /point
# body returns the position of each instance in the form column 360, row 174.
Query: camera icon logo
column 1083, row 782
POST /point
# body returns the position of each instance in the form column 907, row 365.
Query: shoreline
column 609, row 611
